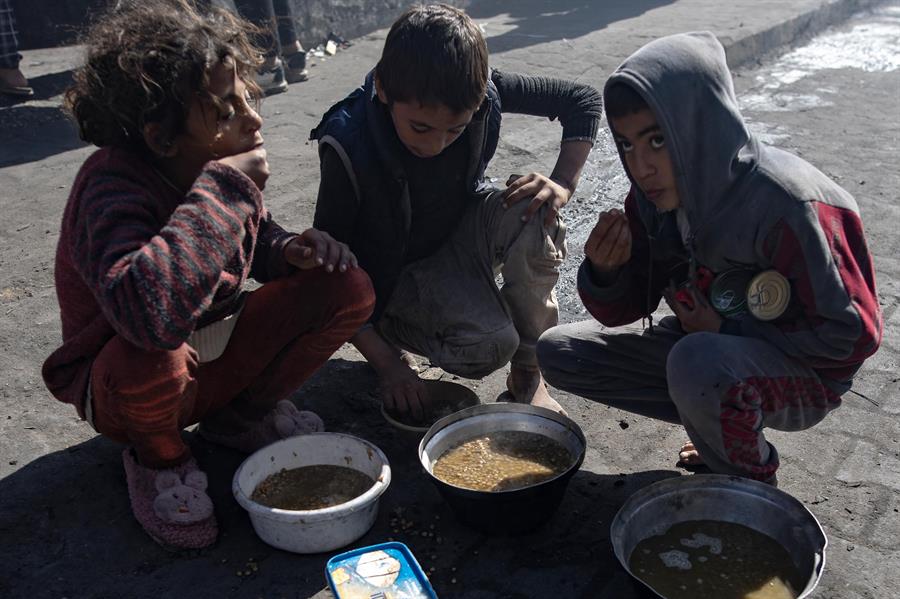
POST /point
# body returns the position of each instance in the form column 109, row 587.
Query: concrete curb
column 51, row 23
column 756, row 46
column 42, row 26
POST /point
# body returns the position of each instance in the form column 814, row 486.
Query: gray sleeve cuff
column 610, row 292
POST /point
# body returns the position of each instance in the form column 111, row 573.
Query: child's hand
column 608, row 247
column 403, row 392
column 541, row 190
column 315, row 248
column 702, row 317
column 254, row 164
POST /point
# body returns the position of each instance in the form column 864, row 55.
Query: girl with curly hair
column 164, row 225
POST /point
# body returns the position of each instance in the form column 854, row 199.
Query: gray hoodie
column 747, row 205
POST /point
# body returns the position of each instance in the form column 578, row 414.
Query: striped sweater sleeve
column 152, row 280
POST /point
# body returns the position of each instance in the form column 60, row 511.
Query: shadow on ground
column 541, row 21
column 37, row 128
column 68, row 531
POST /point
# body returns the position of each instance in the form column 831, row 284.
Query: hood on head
column 685, row 81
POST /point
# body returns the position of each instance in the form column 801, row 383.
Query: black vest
column 356, row 128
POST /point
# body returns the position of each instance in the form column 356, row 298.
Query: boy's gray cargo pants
column 724, row 389
column 449, row 308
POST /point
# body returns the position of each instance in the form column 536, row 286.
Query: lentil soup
column 502, row 461
column 311, row 487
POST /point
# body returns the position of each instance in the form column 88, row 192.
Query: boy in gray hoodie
column 760, row 256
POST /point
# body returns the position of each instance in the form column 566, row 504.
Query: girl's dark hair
column 147, row 61
column 436, row 55
column 621, row 100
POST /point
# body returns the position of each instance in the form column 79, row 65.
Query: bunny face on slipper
column 182, row 502
column 289, row 421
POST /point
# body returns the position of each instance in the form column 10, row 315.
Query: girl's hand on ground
column 541, row 190
column 314, row 248
column 254, row 164
column 608, row 247
column 702, row 317
column 403, row 392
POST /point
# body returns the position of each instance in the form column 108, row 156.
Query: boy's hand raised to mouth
column 314, row 248
column 608, row 247
column 541, row 190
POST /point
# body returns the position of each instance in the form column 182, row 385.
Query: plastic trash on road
column 386, row 570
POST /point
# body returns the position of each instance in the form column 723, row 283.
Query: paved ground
column 65, row 526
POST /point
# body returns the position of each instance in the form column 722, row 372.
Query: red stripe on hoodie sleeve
column 844, row 232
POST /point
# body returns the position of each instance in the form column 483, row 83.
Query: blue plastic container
column 386, row 570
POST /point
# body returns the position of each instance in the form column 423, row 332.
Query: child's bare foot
column 410, row 360
column 689, row 456
column 526, row 385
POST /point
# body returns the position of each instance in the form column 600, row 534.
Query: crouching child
column 403, row 162
column 760, row 256
column 164, row 225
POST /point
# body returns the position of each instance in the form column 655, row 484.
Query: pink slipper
column 171, row 504
column 284, row 421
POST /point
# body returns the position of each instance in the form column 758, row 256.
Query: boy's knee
column 694, row 366
column 478, row 359
column 124, row 367
column 355, row 287
column 537, row 239
column 349, row 292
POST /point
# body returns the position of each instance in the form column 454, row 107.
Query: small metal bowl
column 516, row 510
column 445, row 398
column 655, row 508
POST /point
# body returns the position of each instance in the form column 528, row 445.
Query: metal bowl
column 655, row 508
column 516, row 510
column 444, row 398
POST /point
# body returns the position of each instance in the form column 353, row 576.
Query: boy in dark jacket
column 403, row 161
column 780, row 308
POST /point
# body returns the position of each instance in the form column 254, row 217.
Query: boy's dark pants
column 724, row 389
column 288, row 328
column 448, row 307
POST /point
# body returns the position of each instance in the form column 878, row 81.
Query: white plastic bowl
column 313, row 531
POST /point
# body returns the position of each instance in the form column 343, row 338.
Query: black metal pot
column 503, row 512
